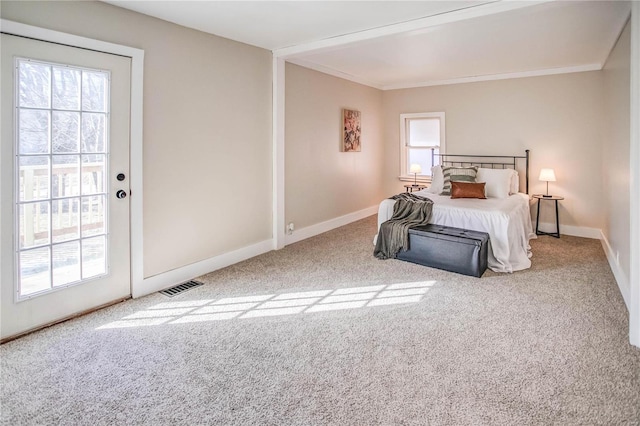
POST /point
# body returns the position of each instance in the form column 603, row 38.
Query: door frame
column 136, row 127
column 634, row 278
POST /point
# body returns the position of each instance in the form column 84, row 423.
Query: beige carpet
column 323, row 333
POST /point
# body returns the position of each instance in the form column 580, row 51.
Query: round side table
column 554, row 198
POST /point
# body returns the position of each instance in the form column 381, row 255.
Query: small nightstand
column 549, row 198
column 411, row 188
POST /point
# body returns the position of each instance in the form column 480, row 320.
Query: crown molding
column 491, row 77
column 461, row 80
column 327, row 70
column 614, row 37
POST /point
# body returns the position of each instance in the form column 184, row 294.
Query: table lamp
column 547, row 175
column 415, row 169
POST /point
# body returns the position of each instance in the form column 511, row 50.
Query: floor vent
column 181, row 288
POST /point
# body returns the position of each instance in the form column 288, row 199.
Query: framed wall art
column 351, row 130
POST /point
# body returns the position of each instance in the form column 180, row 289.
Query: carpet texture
column 322, row 333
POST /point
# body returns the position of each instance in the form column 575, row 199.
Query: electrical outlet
column 290, row 228
column 618, row 257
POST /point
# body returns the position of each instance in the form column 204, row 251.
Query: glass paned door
column 62, row 157
column 65, row 139
column 62, row 147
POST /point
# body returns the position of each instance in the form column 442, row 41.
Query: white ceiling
column 275, row 25
column 394, row 44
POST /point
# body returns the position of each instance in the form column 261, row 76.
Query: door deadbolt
column 121, row 194
column 120, row 177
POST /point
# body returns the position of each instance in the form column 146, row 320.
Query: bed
column 507, row 220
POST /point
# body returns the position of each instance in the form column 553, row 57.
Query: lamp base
column 547, row 196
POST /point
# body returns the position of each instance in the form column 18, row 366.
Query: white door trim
column 137, row 68
column 278, row 153
column 634, row 279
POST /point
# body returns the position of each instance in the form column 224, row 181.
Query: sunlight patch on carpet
column 337, row 306
column 268, row 305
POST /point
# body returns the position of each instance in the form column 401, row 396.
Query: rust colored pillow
column 467, row 190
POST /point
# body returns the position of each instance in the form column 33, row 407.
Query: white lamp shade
column 547, row 175
column 415, row 168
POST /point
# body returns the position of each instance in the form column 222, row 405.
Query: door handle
column 121, row 194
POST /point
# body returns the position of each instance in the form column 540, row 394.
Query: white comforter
column 507, row 221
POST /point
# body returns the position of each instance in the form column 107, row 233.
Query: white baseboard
column 618, row 273
column 176, row 276
column 575, row 231
column 579, row 231
column 186, row 273
column 319, row 228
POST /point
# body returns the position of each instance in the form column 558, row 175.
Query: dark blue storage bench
column 452, row 249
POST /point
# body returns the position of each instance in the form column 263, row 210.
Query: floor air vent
column 181, row 288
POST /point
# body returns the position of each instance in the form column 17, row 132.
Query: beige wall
column 559, row 118
column 207, row 129
column 615, row 150
column 321, row 182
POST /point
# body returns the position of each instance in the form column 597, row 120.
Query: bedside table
column 549, row 198
column 411, row 188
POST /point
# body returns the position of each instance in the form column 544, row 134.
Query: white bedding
column 507, row 221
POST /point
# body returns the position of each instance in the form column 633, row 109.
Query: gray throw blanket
column 393, row 236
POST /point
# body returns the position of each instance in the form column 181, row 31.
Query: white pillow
column 515, row 183
column 497, row 181
column 437, row 180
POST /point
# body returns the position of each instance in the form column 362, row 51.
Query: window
column 421, row 135
column 61, row 157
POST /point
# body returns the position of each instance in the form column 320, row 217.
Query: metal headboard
column 486, row 161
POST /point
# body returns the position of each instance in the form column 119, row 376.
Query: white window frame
column 404, row 151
